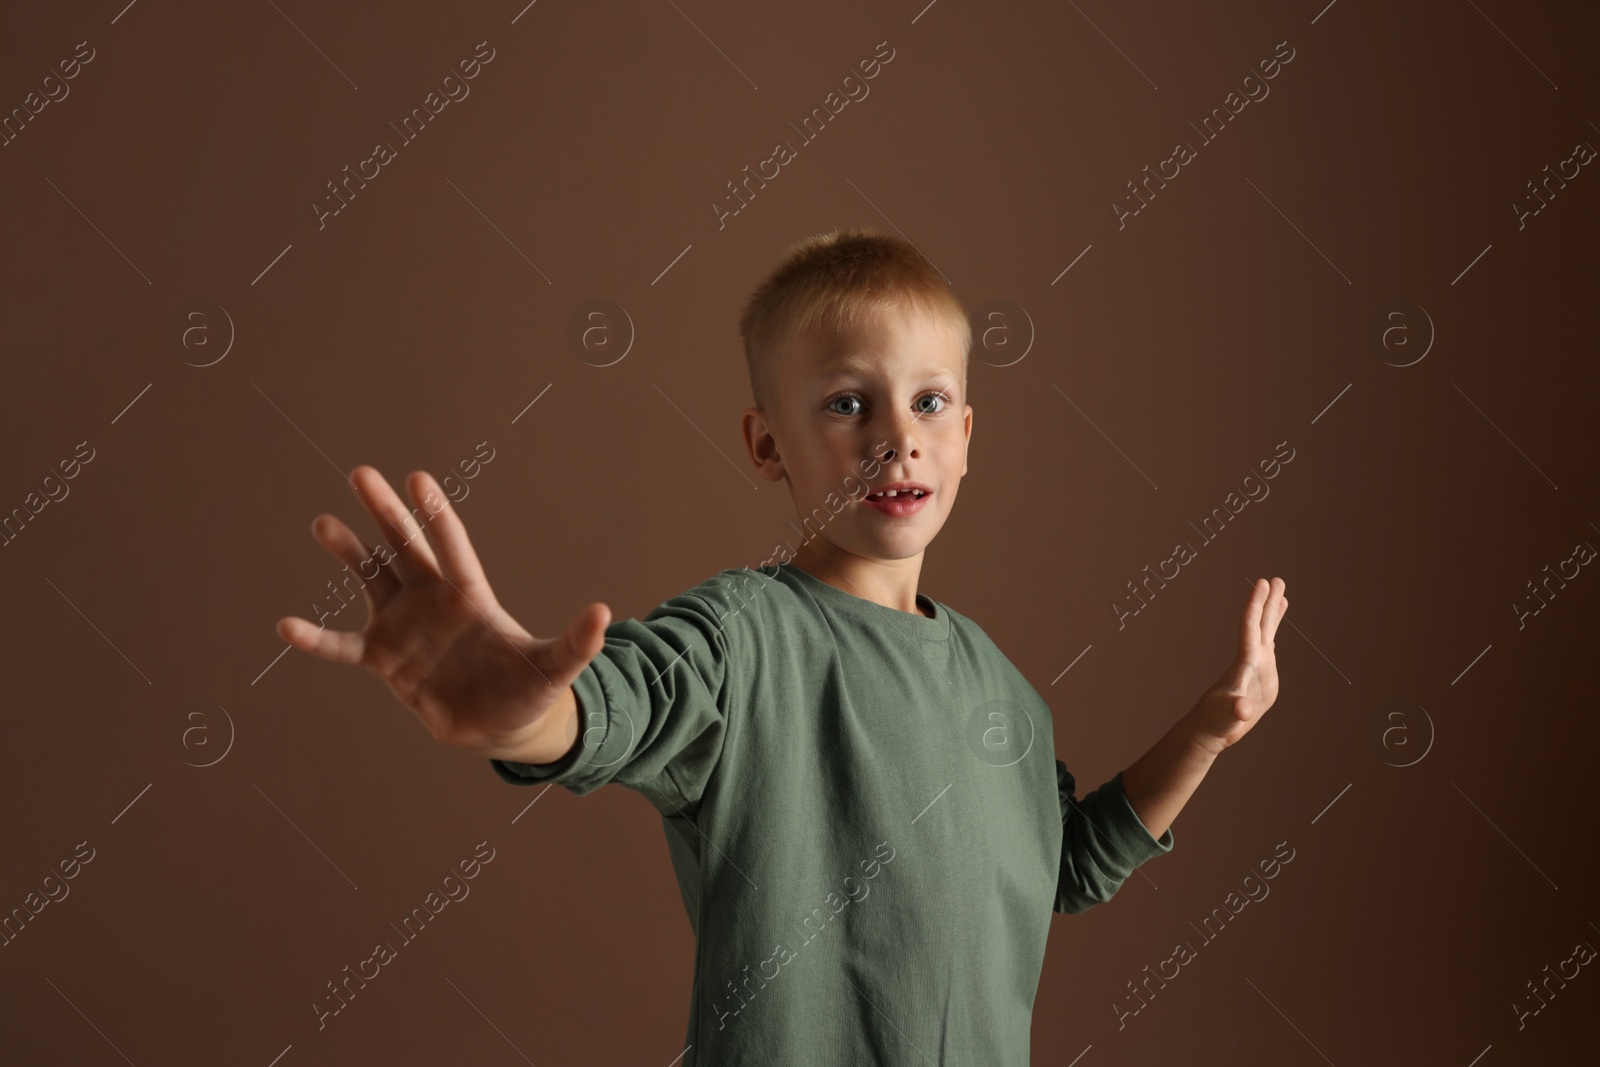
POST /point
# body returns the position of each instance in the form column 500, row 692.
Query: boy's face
column 845, row 399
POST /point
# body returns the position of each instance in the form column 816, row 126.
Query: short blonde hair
column 839, row 279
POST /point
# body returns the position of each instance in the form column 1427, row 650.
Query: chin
column 898, row 548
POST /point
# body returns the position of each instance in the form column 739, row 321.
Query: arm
column 649, row 712
column 1160, row 782
column 1128, row 820
column 1102, row 842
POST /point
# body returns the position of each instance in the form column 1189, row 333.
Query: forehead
column 902, row 337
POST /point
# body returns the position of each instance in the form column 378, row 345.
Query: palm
column 1250, row 686
column 455, row 658
column 435, row 633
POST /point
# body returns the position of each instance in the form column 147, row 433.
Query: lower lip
column 899, row 506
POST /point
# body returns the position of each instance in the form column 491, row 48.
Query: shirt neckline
column 936, row 628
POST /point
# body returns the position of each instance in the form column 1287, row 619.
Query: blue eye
column 921, row 410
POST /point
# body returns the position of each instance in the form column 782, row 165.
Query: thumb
column 583, row 639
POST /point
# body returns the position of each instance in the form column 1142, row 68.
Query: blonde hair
column 839, row 279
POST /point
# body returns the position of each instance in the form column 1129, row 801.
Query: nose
column 897, row 431
column 887, row 451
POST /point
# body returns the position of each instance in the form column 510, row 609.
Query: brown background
column 1247, row 298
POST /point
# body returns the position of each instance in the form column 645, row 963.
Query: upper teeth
column 897, row 492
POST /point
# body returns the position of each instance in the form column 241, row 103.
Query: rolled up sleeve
column 1102, row 841
column 652, row 709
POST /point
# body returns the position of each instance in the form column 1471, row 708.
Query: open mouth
column 900, row 502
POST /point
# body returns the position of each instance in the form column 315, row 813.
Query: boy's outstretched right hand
column 438, row 637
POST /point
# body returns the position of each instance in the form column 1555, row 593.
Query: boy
column 859, row 791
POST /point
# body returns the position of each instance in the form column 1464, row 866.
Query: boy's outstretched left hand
column 1244, row 693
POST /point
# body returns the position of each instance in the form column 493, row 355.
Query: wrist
column 1204, row 749
column 547, row 739
column 1201, row 745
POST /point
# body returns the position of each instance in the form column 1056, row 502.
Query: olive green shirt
column 863, row 807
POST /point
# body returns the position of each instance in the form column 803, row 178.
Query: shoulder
column 734, row 592
column 732, row 585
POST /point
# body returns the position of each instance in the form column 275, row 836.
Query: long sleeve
column 1102, row 841
column 652, row 709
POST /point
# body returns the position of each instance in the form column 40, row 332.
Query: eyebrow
column 864, row 367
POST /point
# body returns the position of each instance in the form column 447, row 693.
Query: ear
column 967, row 445
column 762, row 445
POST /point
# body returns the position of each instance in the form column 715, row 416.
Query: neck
column 890, row 582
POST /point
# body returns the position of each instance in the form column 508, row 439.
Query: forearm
column 548, row 740
column 1160, row 782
